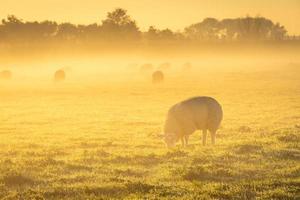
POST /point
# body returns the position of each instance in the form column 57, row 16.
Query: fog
column 90, row 68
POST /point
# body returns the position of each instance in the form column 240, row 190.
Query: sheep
column 60, row 75
column 146, row 69
column 5, row 75
column 157, row 77
column 184, row 118
column 164, row 66
column 186, row 67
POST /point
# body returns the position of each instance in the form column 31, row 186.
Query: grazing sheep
column 146, row 68
column 5, row 75
column 164, row 66
column 157, row 77
column 184, row 118
column 186, row 67
column 60, row 75
column 132, row 67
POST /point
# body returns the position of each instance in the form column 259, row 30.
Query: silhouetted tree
column 15, row 30
column 242, row 29
column 67, row 32
column 11, row 28
column 119, row 25
column 208, row 29
column 152, row 34
column 91, row 32
column 254, row 28
column 165, row 35
column 278, row 32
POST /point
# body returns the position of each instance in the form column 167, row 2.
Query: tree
column 67, row 32
column 208, row 29
column 12, row 28
column 278, row 32
column 12, row 20
column 119, row 25
column 152, row 34
column 165, row 35
column 247, row 28
column 250, row 28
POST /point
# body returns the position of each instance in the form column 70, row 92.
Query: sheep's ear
column 160, row 135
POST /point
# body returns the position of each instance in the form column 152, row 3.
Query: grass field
column 101, row 141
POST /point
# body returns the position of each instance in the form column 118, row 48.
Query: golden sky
column 174, row 14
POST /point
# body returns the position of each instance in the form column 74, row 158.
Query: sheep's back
column 198, row 113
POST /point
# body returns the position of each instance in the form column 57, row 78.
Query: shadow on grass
column 203, row 173
column 244, row 129
column 130, row 173
column 285, row 154
column 16, row 179
column 139, row 187
column 85, row 192
column 289, row 138
column 248, row 149
column 104, row 192
column 147, row 160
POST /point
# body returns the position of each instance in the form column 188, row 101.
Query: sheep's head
column 170, row 139
column 171, row 131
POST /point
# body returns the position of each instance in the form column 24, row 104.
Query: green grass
column 102, row 143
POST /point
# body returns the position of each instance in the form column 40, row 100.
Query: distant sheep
column 184, row 118
column 5, row 75
column 132, row 67
column 60, row 75
column 157, row 77
column 146, row 68
column 186, row 67
column 164, row 66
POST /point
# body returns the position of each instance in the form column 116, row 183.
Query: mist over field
column 82, row 112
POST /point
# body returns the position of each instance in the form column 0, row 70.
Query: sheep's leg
column 186, row 137
column 204, row 131
column 182, row 141
column 213, row 137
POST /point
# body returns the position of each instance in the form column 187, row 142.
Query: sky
column 174, row 14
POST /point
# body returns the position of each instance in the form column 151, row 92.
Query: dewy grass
column 83, row 143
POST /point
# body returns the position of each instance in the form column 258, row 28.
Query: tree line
column 118, row 27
